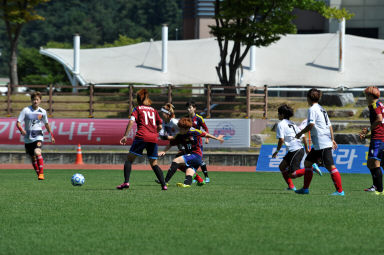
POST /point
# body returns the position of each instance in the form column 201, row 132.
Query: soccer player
column 170, row 130
column 198, row 123
column 190, row 138
column 148, row 125
column 376, row 146
column 323, row 143
column 285, row 133
column 33, row 116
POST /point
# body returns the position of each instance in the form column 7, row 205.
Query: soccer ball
column 77, row 179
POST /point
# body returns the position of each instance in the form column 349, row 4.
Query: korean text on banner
column 347, row 158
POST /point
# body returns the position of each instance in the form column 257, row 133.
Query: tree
column 259, row 23
column 15, row 14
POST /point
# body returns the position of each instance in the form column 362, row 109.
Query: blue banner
column 347, row 158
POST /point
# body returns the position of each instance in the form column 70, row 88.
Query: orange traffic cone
column 79, row 156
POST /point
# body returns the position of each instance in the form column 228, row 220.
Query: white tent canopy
column 295, row 60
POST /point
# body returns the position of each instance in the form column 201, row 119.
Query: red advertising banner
column 74, row 131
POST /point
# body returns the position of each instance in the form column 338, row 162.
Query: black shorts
column 321, row 157
column 30, row 147
column 293, row 159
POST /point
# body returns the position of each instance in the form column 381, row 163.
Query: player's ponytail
column 143, row 97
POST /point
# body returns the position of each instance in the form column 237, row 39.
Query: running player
column 148, row 125
column 33, row 116
column 170, row 130
column 285, row 133
column 376, row 146
column 190, row 138
column 198, row 123
column 323, row 143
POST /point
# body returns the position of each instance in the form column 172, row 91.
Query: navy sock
column 171, row 171
column 127, row 170
column 159, row 174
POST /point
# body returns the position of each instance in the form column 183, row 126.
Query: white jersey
column 287, row 130
column 33, row 120
column 170, row 128
column 320, row 132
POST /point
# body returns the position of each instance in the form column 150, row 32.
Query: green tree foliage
column 16, row 13
column 259, row 23
column 99, row 22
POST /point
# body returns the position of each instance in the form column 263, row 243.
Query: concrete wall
column 219, row 159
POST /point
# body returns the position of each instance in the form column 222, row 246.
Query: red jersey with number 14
column 376, row 108
column 147, row 120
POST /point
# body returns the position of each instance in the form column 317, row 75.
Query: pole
column 164, row 36
column 341, row 45
column 76, row 61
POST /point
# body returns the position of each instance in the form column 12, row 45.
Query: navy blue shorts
column 376, row 148
column 139, row 145
column 192, row 161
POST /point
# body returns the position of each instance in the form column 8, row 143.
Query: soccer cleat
column 194, row 181
column 125, row 185
column 302, row 191
column 294, row 188
column 336, row 193
column 370, row 189
column 317, row 170
column 207, row 180
column 41, row 177
column 201, row 183
column 164, row 187
column 182, row 185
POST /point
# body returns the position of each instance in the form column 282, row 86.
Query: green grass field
column 238, row 213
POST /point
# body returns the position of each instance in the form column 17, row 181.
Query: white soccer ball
column 77, row 179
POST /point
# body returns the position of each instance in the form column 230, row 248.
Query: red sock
column 198, row 178
column 298, row 173
column 287, row 179
column 336, row 178
column 307, row 177
column 35, row 166
column 40, row 164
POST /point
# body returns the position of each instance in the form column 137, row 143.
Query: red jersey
column 147, row 120
column 375, row 109
column 191, row 141
column 198, row 122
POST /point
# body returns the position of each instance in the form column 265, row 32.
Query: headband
column 166, row 111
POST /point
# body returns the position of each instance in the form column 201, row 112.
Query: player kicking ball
column 190, row 138
column 323, row 142
column 33, row 116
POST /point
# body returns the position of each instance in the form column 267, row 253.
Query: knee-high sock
column 373, row 176
column 127, row 170
column 188, row 180
column 204, row 169
column 287, row 179
column 198, row 178
column 159, row 174
column 308, row 177
column 298, row 173
column 35, row 166
column 171, row 171
column 40, row 163
column 378, row 178
column 336, row 178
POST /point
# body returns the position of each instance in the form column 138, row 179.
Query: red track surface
column 120, row 167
